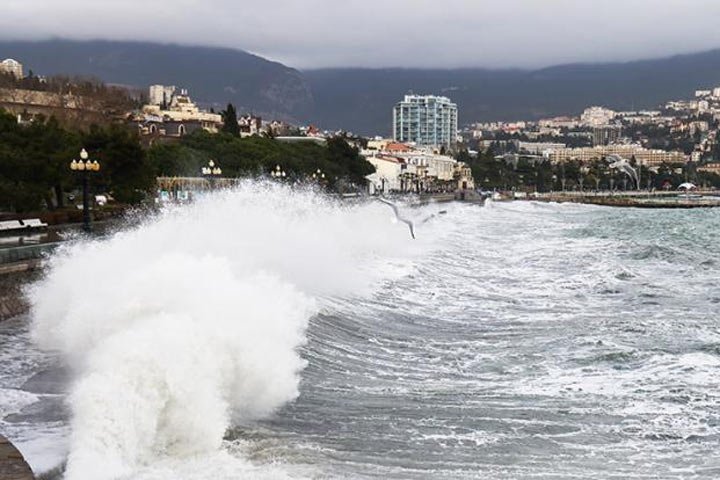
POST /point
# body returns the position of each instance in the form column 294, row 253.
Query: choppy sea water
column 525, row 340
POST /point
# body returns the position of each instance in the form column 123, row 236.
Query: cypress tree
column 229, row 118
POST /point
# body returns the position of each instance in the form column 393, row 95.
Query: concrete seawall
column 635, row 200
column 12, row 464
column 12, row 303
column 12, row 279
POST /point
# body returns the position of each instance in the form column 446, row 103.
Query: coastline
column 628, row 200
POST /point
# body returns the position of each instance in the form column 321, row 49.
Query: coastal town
column 359, row 240
column 157, row 144
column 427, row 151
column 80, row 153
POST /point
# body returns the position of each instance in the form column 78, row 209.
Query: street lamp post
column 211, row 172
column 85, row 166
column 318, row 176
column 278, row 173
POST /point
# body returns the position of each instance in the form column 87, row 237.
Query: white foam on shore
column 191, row 322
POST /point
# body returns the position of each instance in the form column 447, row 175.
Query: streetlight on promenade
column 319, row 176
column 278, row 173
column 211, row 172
column 85, row 166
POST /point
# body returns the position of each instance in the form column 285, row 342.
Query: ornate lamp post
column 211, row 172
column 318, row 176
column 278, row 173
column 85, row 166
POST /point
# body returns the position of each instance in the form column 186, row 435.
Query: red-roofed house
column 398, row 147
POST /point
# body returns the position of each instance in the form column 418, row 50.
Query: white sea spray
column 191, row 322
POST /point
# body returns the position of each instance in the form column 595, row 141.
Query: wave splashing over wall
column 190, row 323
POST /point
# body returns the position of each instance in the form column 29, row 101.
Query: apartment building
column 426, row 121
column 644, row 156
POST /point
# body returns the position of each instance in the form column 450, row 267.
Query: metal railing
column 28, row 252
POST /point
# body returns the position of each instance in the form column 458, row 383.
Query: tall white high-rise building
column 426, row 120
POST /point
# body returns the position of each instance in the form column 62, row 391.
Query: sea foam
column 179, row 328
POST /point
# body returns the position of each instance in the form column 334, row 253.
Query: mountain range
column 213, row 76
column 361, row 100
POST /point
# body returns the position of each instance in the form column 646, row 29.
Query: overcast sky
column 380, row 33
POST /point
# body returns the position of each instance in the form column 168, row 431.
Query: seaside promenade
column 636, row 199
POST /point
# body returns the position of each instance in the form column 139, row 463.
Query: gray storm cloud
column 374, row 33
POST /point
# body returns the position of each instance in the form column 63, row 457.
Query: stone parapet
column 12, row 279
column 12, row 464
